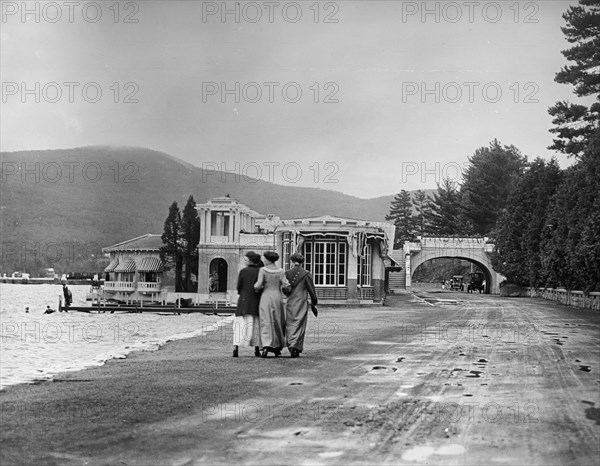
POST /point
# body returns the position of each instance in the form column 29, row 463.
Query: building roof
column 226, row 203
column 323, row 219
column 126, row 265
column 147, row 242
column 149, row 264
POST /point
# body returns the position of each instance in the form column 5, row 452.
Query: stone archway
column 472, row 249
column 486, row 272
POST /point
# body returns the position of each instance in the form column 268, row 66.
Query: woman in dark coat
column 246, row 329
column 297, row 305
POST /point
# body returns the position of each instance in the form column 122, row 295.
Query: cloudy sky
column 363, row 97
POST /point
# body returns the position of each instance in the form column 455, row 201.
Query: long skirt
column 296, row 319
column 246, row 331
column 272, row 320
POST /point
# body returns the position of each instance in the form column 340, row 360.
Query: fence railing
column 570, row 298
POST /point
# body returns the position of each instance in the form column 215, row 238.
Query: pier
column 215, row 307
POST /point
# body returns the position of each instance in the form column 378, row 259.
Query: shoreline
column 102, row 359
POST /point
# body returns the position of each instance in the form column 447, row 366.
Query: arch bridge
column 476, row 250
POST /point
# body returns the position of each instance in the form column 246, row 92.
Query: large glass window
column 325, row 259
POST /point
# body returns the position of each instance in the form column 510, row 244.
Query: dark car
column 456, row 283
column 476, row 280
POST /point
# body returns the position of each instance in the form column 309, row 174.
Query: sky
column 362, row 97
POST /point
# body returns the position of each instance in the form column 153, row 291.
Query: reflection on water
column 36, row 346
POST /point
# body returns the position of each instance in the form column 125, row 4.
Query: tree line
column 543, row 220
column 180, row 238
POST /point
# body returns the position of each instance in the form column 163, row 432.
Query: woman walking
column 297, row 304
column 271, row 279
column 246, row 330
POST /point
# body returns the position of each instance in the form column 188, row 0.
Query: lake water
column 34, row 346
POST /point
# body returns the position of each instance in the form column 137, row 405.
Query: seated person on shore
column 48, row 310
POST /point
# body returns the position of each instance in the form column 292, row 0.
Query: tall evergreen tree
column 576, row 123
column 490, row 177
column 445, row 217
column 423, row 205
column 171, row 253
column 518, row 233
column 402, row 216
column 571, row 249
column 572, row 241
column 190, row 235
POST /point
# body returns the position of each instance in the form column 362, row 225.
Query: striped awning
column 113, row 265
column 126, row 265
column 149, row 264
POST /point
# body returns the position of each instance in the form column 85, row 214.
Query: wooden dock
column 204, row 308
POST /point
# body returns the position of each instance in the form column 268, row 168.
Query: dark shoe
column 257, row 352
column 235, row 353
column 295, row 353
column 277, row 353
column 264, row 353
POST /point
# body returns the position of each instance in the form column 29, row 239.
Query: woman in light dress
column 246, row 330
column 271, row 280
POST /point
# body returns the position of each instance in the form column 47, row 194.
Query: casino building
column 346, row 257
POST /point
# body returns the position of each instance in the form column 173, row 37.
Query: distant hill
column 98, row 196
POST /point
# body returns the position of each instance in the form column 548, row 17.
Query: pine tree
column 190, row 235
column 445, row 216
column 521, row 226
column 171, row 253
column 402, row 216
column 572, row 241
column 423, row 204
column 571, row 244
column 576, row 123
column 490, row 177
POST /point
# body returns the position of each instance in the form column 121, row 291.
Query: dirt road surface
column 438, row 377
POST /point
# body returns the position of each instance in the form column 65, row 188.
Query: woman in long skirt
column 297, row 305
column 246, row 330
column 270, row 280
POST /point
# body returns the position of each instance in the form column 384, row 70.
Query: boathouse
column 135, row 271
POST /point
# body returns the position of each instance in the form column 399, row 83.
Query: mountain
column 62, row 206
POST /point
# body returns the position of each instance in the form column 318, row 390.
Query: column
column 407, row 266
column 230, row 232
column 352, row 280
column 202, row 217
column 219, row 223
column 378, row 271
column 208, row 214
column 236, row 231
